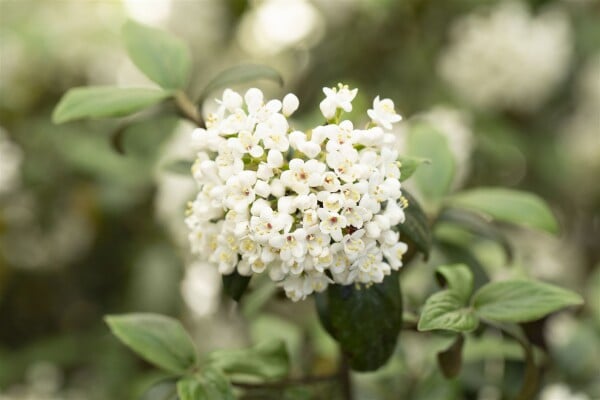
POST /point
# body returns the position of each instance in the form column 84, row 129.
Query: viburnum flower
column 308, row 208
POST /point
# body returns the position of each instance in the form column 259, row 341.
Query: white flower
column 290, row 104
column 273, row 133
column 307, row 208
column 240, row 190
column 331, row 223
column 383, row 113
column 303, row 175
column 340, row 98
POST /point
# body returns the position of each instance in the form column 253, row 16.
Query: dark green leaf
column 158, row 339
column 162, row 57
column 450, row 360
column 416, row 226
column 508, row 205
column 104, row 101
column 235, row 285
column 408, row 166
column 365, row 321
column 479, row 226
column 241, row 74
column 521, row 300
column 179, row 167
column 267, row 360
column 433, row 180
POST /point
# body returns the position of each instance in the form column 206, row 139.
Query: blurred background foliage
column 86, row 231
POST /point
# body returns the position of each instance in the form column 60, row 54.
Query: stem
column 345, row 379
column 307, row 380
column 188, row 108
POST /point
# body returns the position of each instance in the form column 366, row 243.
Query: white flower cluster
column 508, row 59
column 308, row 208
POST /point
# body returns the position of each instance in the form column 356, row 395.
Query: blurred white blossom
column 11, row 158
column 507, row 58
column 560, row 391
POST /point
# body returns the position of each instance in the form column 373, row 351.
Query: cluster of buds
column 308, row 208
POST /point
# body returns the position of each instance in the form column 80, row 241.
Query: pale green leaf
column 521, row 300
column 160, row 340
column 210, row 384
column 458, row 278
column 162, row 57
column 433, row 180
column 266, row 360
column 104, row 101
column 508, row 205
column 409, row 165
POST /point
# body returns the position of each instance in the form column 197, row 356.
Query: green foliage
column 433, row 180
column 210, row 384
column 365, row 320
column 521, row 300
column 162, row 57
column 409, row 165
column 158, row 339
column 415, row 228
column 104, row 101
column 267, row 360
column 478, row 225
column 235, row 285
column 448, row 309
column 508, row 206
column 505, row 301
column 241, row 74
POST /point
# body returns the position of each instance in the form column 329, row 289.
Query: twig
column 345, row 379
column 188, row 108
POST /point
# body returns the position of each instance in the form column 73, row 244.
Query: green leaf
column 241, row 74
column 235, row 285
column 267, row 360
column 447, row 310
column 162, row 57
column 365, row 321
column 179, row 167
column 477, row 225
column 211, row 384
column 450, row 360
column 521, row 300
column 415, row 228
column 458, row 278
column 104, row 101
column 508, row 205
column 433, row 180
column 409, row 165
column 160, row 340
column 191, row 389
